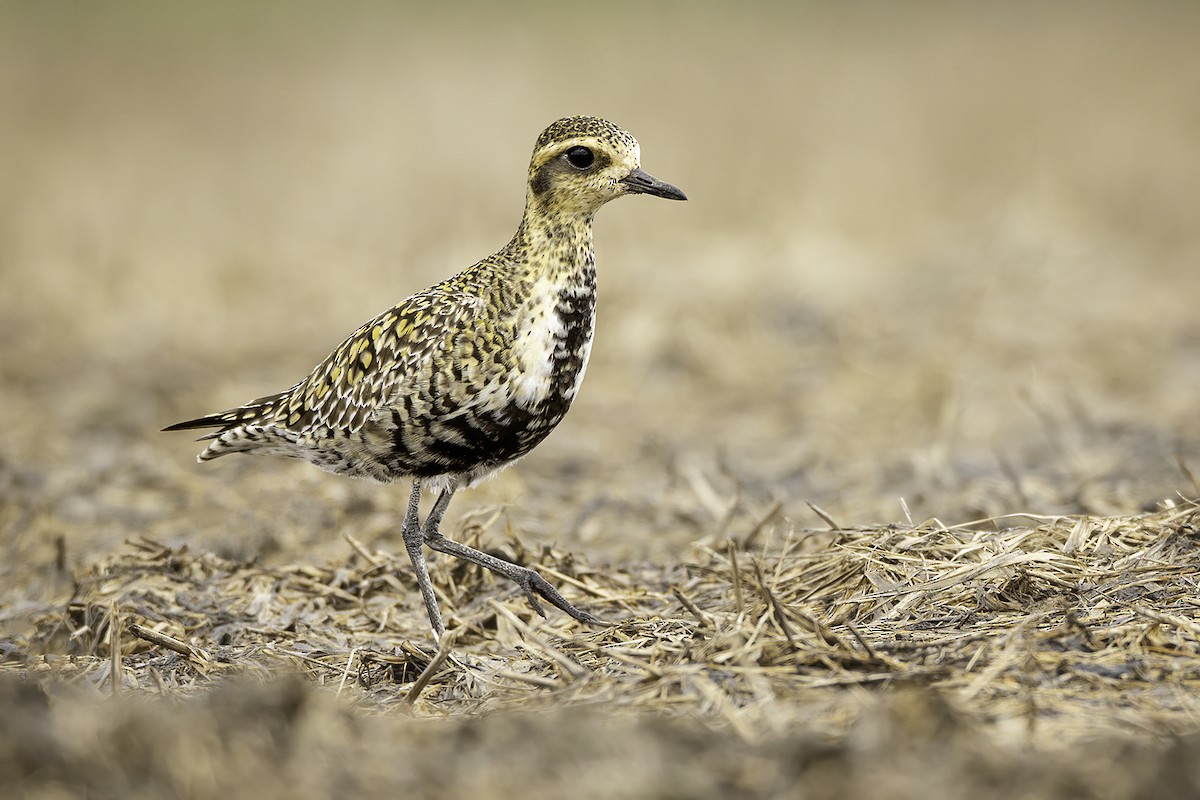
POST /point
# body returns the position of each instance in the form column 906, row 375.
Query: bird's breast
column 551, row 345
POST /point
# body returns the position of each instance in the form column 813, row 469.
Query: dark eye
column 580, row 157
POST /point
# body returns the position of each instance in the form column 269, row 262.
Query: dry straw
column 1063, row 626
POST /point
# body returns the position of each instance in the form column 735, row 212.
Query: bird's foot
column 533, row 584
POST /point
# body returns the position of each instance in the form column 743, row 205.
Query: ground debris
column 1034, row 627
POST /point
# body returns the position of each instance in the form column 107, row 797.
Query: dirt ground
column 884, row 472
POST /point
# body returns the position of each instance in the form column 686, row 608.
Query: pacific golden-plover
column 466, row 377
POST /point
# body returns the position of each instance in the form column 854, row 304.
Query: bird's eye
column 580, row 157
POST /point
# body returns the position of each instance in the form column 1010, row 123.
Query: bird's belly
column 494, row 428
column 474, row 440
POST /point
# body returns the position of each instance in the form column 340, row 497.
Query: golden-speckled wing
column 367, row 371
column 375, row 363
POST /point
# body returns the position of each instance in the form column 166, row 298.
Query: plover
column 466, row 377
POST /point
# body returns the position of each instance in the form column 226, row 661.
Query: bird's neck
column 555, row 246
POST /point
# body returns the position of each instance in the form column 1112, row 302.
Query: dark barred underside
column 465, row 444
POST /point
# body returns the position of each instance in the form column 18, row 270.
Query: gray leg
column 413, row 543
column 531, row 583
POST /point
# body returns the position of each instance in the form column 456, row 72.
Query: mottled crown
column 576, row 127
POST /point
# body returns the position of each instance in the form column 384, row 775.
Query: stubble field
column 884, row 469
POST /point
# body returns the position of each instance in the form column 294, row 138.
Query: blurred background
column 940, row 253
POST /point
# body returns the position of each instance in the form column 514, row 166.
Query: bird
column 461, row 380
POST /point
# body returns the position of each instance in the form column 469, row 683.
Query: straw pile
column 974, row 640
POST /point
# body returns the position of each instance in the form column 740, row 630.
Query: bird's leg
column 413, row 542
column 531, row 583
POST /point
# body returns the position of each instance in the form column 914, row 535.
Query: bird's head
column 580, row 163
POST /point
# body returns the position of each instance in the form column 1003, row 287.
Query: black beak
column 638, row 182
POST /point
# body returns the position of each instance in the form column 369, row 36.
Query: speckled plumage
column 468, row 376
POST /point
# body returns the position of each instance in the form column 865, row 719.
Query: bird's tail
column 252, row 412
